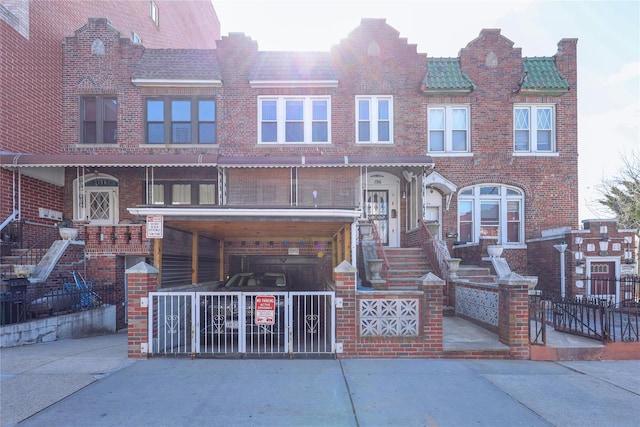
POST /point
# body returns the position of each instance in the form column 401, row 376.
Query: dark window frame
column 99, row 122
column 195, row 191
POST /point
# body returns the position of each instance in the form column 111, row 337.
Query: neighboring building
column 267, row 160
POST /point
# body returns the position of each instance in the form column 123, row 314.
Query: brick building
column 257, row 160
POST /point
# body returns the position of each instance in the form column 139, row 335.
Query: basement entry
column 241, row 324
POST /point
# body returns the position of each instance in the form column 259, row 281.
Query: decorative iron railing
column 381, row 252
column 435, row 253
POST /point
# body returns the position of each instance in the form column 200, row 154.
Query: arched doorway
column 95, row 199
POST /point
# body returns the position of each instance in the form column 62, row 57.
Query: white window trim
column 373, row 118
column 307, row 119
column 503, row 198
column 533, row 130
column 448, row 130
column 155, row 13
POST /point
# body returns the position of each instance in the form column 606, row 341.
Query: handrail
column 380, row 249
column 8, row 220
column 31, row 256
column 436, row 255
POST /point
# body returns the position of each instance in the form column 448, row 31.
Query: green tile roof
column 542, row 76
column 444, row 75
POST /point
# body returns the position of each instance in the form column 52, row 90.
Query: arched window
column 491, row 211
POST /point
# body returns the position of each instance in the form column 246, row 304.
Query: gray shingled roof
column 445, row 75
column 293, row 66
column 541, row 75
column 178, row 64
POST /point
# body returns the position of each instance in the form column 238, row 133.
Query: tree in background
column 621, row 194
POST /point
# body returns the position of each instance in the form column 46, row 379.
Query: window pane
column 319, row 132
column 489, row 218
column 181, row 133
column 436, row 140
column 363, row 131
column 89, row 112
column 109, row 132
column 269, row 110
column 363, row 109
column 465, row 217
column 489, row 190
column 521, row 119
column 294, row 132
column 206, row 111
column 319, row 110
column 522, row 140
column 383, row 109
column 157, row 196
column 513, row 221
column 459, row 140
column 181, row 194
column 207, row 133
column 181, row 111
column 207, row 194
column 459, row 118
column 544, row 140
column 544, row 118
column 436, row 119
column 294, row 110
column 89, row 133
column 383, row 131
column 155, row 133
column 269, row 132
column 110, row 109
column 155, row 111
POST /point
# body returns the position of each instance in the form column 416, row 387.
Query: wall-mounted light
column 579, row 258
column 604, row 246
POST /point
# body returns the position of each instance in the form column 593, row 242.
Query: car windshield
column 268, row 280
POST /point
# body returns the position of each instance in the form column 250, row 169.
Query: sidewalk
column 90, row 382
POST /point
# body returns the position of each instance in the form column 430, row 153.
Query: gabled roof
column 276, row 69
column 542, row 76
column 444, row 75
column 181, row 67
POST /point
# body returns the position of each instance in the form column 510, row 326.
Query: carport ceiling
column 261, row 229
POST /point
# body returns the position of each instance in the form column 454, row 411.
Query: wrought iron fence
column 591, row 317
column 22, row 304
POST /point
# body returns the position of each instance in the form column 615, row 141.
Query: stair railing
column 37, row 251
column 381, row 252
column 434, row 252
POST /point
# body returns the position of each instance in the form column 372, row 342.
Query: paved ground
column 90, row 382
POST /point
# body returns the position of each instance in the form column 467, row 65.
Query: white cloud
column 627, row 72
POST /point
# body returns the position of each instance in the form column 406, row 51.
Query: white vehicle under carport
column 219, row 312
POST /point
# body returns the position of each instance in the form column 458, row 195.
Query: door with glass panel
column 377, row 202
column 101, row 205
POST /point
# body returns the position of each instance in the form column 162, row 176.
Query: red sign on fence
column 265, row 310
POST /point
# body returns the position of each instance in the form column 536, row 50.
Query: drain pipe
column 561, row 248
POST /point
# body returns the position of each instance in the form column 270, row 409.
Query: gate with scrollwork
column 229, row 324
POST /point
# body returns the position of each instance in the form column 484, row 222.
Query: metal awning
column 324, row 161
column 12, row 160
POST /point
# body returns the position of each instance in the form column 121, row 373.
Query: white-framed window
column 534, row 128
column 135, row 37
column 491, row 211
column 294, row 120
column 448, row 129
column 374, row 115
column 155, row 13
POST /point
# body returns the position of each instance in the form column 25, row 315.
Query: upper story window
column 491, row 211
column 181, row 121
column 99, row 116
column 155, row 13
column 135, row 37
column 374, row 115
column 291, row 120
column 448, row 129
column 534, row 128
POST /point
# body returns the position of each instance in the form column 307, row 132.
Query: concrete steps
column 406, row 266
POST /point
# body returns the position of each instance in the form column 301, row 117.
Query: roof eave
column 258, row 84
column 441, row 91
column 175, row 83
column 543, row 91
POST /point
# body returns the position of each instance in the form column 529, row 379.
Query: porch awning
column 12, row 160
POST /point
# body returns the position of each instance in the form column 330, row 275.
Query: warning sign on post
column 154, row 226
column 265, row 310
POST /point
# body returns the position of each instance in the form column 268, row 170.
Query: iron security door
column 378, row 212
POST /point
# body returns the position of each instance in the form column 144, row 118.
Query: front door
column 378, row 212
column 603, row 281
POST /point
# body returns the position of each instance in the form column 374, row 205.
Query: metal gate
column 224, row 323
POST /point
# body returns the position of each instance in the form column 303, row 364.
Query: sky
column 608, row 34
